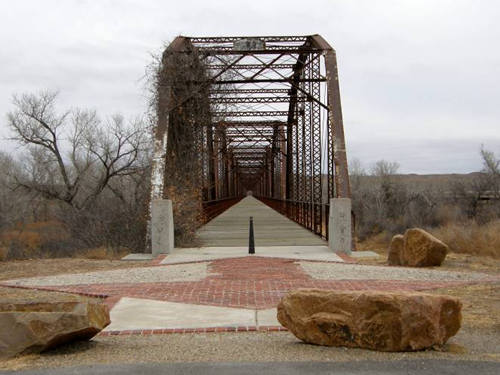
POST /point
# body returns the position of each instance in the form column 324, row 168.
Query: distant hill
column 428, row 181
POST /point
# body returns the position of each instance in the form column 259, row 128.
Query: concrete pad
column 183, row 255
column 364, row 254
column 135, row 313
column 267, row 318
column 138, row 256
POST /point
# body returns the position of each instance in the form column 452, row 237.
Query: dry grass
column 18, row 295
column 481, row 305
column 46, row 267
column 378, row 242
column 103, row 252
column 471, row 237
column 453, row 262
column 462, row 238
column 37, row 240
column 27, row 240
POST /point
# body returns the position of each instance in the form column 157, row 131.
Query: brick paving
column 145, row 332
column 249, row 282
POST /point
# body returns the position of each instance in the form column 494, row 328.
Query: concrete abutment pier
column 339, row 226
column 162, row 227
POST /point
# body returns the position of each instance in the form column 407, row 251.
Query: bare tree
column 8, row 201
column 384, row 168
column 491, row 169
column 491, row 163
column 356, row 174
column 73, row 156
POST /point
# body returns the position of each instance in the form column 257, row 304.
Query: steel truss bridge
column 276, row 128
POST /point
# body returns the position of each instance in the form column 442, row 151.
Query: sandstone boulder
column 35, row 327
column 421, row 249
column 385, row 321
column 396, row 250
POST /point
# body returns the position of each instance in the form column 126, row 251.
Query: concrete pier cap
column 162, row 226
column 339, row 226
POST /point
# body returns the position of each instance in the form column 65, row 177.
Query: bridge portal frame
column 293, row 158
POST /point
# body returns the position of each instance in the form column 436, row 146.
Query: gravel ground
column 239, row 347
column 334, row 271
column 17, row 295
column 156, row 274
column 14, row 269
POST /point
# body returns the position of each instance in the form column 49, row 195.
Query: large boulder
column 416, row 248
column 385, row 321
column 39, row 326
column 421, row 249
column 395, row 250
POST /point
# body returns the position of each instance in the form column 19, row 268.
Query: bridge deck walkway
column 270, row 227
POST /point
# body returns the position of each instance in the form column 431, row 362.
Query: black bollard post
column 251, row 243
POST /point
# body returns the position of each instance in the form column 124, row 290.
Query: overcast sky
column 420, row 80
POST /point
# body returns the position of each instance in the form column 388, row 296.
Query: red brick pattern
column 144, row 332
column 249, row 282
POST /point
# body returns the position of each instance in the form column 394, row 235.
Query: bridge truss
column 275, row 129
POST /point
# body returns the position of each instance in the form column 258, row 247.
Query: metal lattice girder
column 255, row 99
column 248, row 149
column 269, row 50
column 232, row 39
column 250, row 66
column 250, row 113
column 250, row 91
column 265, row 80
column 245, row 124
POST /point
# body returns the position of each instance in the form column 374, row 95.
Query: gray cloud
column 420, row 79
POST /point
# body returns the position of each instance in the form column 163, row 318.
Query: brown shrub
column 103, row 252
column 33, row 240
column 3, row 253
column 471, row 238
column 375, row 242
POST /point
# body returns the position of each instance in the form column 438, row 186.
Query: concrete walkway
column 271, row 228
column 143, row 314
column 195, row 254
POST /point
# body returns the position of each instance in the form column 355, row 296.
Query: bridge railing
column 214, row 208
column 312, row 216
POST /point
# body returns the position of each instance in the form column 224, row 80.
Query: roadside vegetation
column 79, row 183
column 461, row 210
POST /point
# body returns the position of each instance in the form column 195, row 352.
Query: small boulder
column 421, row 249
column 395, row 250
column 35, row 327
column 384, row 321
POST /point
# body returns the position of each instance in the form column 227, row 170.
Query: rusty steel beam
column 266, row 80
column 249, row 66
column 254, row 99
column 236, row 149
column 251, row 157
column 266, row 66
column 232, row 39
column 339, row 156
column 292, row 109
column 249, row 135
column 250, row 113
column 269, row 50
column 250, row 91
column 268, row 123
